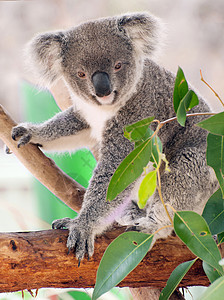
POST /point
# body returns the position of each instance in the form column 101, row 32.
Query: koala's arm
column 67, row 130
column 96, row 213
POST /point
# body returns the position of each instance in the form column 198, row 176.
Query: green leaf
column 175, row 278
column 215, row 157
column 180, row 89
column 189, row 101
column 147, row 188
column 213, row 213
column 155, row 154
column 214, row 291
column 149, row 132
column 119, row 259
column 211, row 273
column 129, row 169
column 214, row 124
column 135, row 132
column 155, row 140
column 194, row 232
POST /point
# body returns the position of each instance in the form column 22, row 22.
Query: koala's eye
column 81, row 74
column 118, row 66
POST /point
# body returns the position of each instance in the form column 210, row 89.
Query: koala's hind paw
column 80, row 239
column 21, row 133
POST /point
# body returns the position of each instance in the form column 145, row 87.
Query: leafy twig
column 188, row 115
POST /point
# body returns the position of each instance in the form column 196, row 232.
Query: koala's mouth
column 106, row 100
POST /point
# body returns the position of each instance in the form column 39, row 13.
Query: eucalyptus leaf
column 214, row 291
column 129, row 169
column 119, row 259
column 189, row 101
column 194, row 232
column 156, row 151
column 135, row 132
column 149, row 132
column 211, row 273
column 213, row 212
column 147, row 188
column 155, row 141
column 214, row 124
column 175, row 278
column 180, row 88
column 215, row 157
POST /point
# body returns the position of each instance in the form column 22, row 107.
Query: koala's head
column 101, row 61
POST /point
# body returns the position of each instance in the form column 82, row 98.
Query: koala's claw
column 79, row 262
column 7, row 150
column 23, row 134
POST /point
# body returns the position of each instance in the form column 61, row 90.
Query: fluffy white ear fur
column 146, row 31
column 43, row 57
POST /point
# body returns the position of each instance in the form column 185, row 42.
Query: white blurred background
column 195, row 36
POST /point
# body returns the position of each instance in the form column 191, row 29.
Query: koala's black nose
column 101, row 83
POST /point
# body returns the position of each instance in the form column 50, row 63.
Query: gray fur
column 140, row 88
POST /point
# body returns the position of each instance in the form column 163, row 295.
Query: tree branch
column 32, row 260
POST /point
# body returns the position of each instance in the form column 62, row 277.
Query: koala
column 109, row 69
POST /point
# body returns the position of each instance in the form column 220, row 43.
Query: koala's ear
column 144, row 30
column 43, row 57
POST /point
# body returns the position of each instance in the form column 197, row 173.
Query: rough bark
column 31, row 260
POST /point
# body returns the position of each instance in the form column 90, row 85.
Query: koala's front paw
column 22, row 134
column 80, row 238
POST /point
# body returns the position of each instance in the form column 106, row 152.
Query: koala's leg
column 65, row 131
column 187, row 186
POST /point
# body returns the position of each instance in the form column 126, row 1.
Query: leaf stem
column 202, row 79
column 157, row 169
column 167, row 226
column 170, row 206
column 161, row 196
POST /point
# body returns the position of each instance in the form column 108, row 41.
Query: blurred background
column 194, row 41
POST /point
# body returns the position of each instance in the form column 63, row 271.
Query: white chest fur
column 96, row 116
